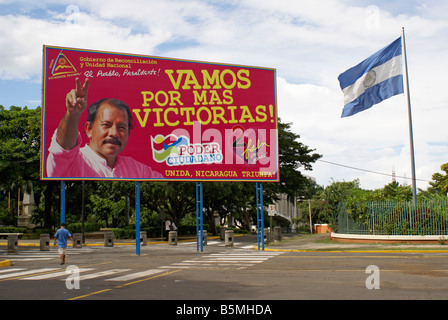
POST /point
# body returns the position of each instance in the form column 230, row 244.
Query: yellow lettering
column 165, row 116
column 217, row 80
column 232, row 111
column 214, row 79
column 218, row 113
column 200, row 99
column 214, row 99
column 261, row 112
column 233, row 79
column 161, row 98
column 228, row 99
column 209, row 115
column 146, row 99
column 158, row 111
column 246, row 115
column 244, row 79
column 187, row 111
column 190, row 79
column 137, row 113
column 175, row 97
column 160, row 102
column 175, row 83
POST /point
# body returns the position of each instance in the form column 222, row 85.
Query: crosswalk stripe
column 221, row 260
column 247, row 253
column 226, row 260
column 211, row 243
column 54, row 275
column 9, row 270
column 136, row 275
column 205, row 266
column 32, row 259
column 32, row 256
column 23, row 273
column 180, row 264
column 50, row 252
column 240, row 257
column 101, row 274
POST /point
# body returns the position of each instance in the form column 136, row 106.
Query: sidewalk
column 290, row 242
column 322, row 242
column 99, row 242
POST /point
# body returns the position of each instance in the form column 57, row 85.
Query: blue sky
column 309, row 43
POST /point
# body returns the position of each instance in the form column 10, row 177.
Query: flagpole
column 414, row 187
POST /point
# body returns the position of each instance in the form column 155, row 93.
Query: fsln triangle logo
column 62, row 66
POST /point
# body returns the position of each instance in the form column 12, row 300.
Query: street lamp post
column 302, row 198
column 309, row 209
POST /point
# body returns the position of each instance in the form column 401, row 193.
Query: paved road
column 290, row 271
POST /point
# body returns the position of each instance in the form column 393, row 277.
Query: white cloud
column 309, row 43
column 23, row 59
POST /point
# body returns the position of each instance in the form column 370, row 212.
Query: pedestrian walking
column 61, row 237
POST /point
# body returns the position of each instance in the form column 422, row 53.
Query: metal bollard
column 44, row 242
column 172, row 238
column 13, row 242
column 109, row 239
column 222, row 235
column 267, row 236
column 143, row 238
column 77, row 239
column 229, row 238
column 204, row 237
column 278, row 233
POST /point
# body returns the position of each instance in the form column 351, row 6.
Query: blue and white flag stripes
column 377, row 78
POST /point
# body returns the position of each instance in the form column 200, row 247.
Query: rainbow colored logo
column 62, row 65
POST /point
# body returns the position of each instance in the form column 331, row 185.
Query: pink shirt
column 83, row 162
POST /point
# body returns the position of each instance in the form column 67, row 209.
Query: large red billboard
column 118, row 116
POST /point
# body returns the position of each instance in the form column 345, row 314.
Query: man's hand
column 76, row 99
column 76, row 102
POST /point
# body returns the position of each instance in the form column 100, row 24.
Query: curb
column 359, row 251
column 386, row 239
column 5, row 263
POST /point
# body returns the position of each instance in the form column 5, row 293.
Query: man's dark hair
column 93, row 109
column 63, row 225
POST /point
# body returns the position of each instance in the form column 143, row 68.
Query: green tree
column 176, row 198
column 20, row 146
column 395, row 191
column 106, row 202
column 292, row 156
column 441, row 180
column 335, row 195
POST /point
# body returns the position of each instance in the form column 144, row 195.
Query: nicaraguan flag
column 377, row 78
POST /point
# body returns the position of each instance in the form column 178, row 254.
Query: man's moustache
column 112, row 141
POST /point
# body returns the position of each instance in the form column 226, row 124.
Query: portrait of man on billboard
column 108, row 125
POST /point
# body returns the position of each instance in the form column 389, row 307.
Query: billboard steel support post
column 62, row 201
column 199, row 217
column 260, row 216
column 137, row 218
